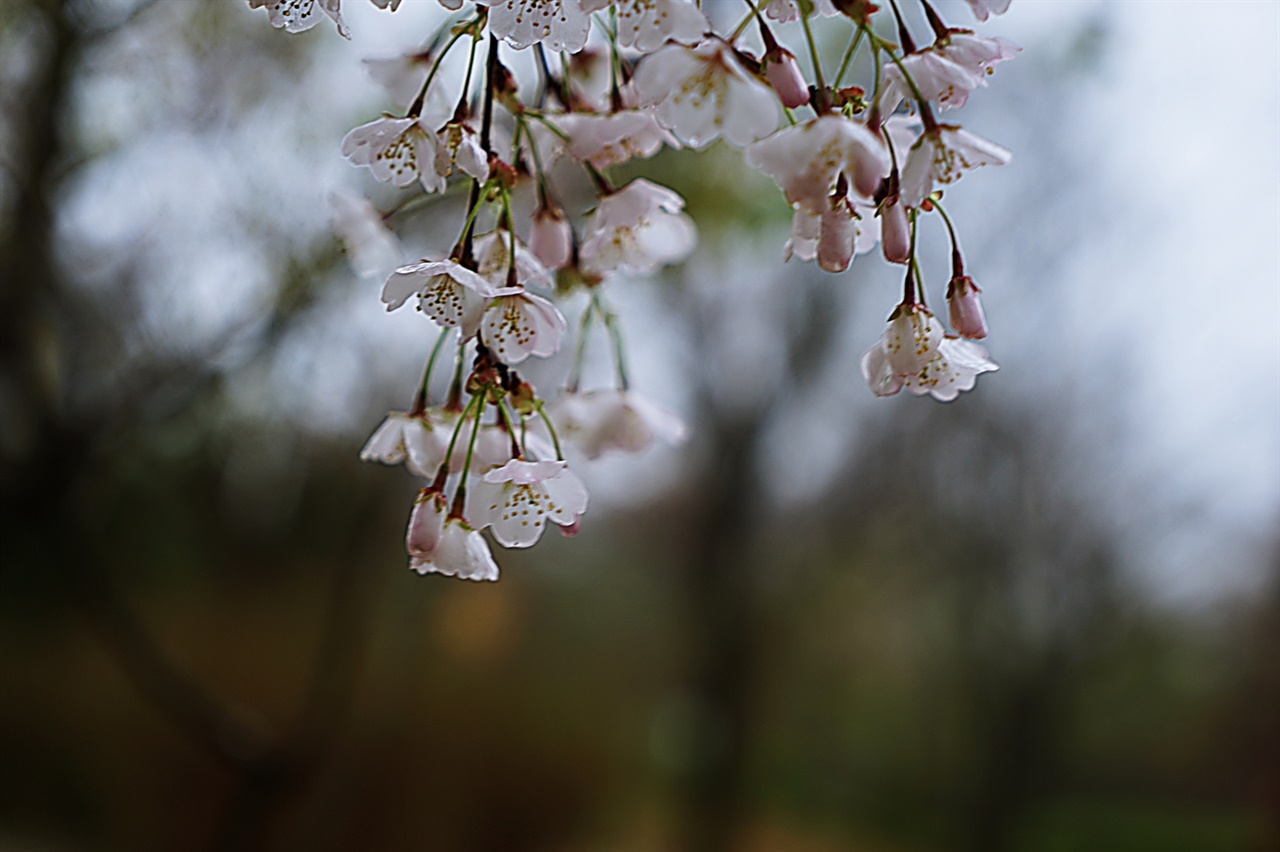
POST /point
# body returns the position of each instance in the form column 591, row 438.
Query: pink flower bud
column 895, row 233
column 551, row 238
column 967, row 316
column 426, row 525
column 837, row 237
column 784, row 75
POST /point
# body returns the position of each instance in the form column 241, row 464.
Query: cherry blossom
column 915, row 354
column 519, row 324
column 448, row 292
column 942, row 155
column 555, row 24
column 419, row 441
column 460, row 552
column 807, row 159
column 788, row 10
column 637, row 229
column 517, row 500
column 983, row 9
column 298, row 15
column 646, row 24
column 607, row 140
column 946, row 71
column 606, row 420
column 371, row 249
column 397, row 150
column 703, row 93
column 493, row 261
column 807, row 231
column 458, row 146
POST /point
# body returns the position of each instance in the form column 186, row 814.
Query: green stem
column 848, row 56
column 579, row 355
column 813, row 52
column 420, row 399
column 551, row 430
column 615, row 332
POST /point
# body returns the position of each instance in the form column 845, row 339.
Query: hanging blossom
column 555, row 24
column 637, row 229
column 608, row 140
column 601, row 421
column 518, row 324
column 397, row 150
column 295, row 16
column 371, row 248
column 807, row 160
column 983, row 9
column 785, row 11
column 439, row 543
column 850, row 180
column 519, row 498
column 447, row 291
column 915, row 353
column 703, row 93
column 946, row 71
column 942, row 155
column 646, row 25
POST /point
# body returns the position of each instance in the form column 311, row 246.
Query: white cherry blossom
column 493, row 261
column 555, row 24
column 807, row 159
column 807, row 232
column 915, row 354
column 703, row 93
column 294, row 16
column 983, row 9
column 939, row 79
column 448, row 292
column 458, row 146
column 946, row 71
column 942, row 155
column 397, row 150
column 607, row 140
column 519, row 324
column 646, row 24
column 601, row 421
column 518, row 499
column 460, row 552
column 372, row 249
column 788, row 10
column 637, row 229
column 979, row 53
column 419, row 442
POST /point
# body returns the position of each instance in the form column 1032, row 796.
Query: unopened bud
column 967, row 317
column 551, row 238
column 895, row 233
column 784, row 75
column 426, row 525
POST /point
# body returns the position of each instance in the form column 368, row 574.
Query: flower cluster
column 861, row 166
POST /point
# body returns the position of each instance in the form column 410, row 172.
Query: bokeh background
column 1045, row 617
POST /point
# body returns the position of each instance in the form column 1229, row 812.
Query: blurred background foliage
column 826, row 624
